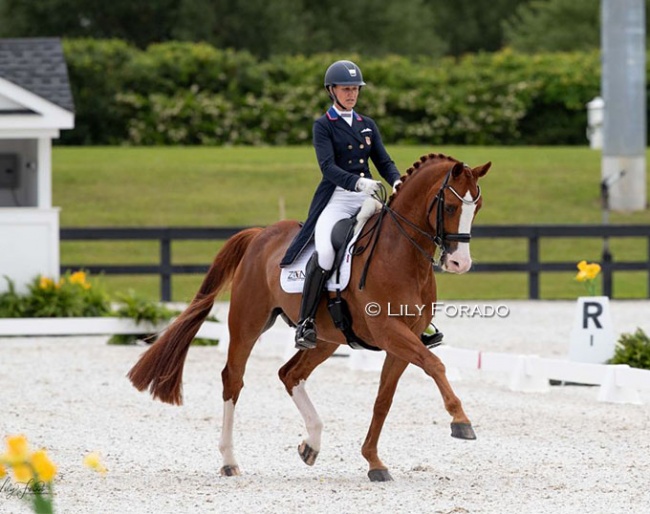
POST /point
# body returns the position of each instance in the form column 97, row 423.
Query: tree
column 557, row 26
column 554, row 26
column 139, row 23
column 468, row 26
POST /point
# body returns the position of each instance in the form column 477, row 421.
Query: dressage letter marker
column 592, row 337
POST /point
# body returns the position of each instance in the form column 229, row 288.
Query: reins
column 438, row 239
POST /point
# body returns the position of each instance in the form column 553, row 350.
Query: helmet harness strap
column 334, row 98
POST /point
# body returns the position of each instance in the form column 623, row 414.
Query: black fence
column 532, row 233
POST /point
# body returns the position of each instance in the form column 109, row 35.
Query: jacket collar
column 333, row 115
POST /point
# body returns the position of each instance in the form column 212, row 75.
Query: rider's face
column 346, row 95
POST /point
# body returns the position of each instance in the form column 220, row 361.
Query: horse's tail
column 160, row 368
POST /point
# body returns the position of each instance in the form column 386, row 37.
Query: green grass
column 217, row 186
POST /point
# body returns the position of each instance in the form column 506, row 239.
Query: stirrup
column 306, row 335
column 432, row 340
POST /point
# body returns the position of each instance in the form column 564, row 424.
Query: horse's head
column 452, row 211
column 453, row 197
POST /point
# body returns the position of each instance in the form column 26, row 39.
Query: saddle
column 342, row 234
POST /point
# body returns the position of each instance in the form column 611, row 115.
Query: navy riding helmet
column 343, row 73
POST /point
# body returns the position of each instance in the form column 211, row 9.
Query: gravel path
column 556, row 452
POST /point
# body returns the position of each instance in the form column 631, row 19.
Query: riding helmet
column 343, row 73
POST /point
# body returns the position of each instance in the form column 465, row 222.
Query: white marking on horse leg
column 225, row 443
column 308, row 412
column 460, row 260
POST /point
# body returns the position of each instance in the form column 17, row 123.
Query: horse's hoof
column 307, row 453
column 230, row 471
column 462, row 431
column 379, row 475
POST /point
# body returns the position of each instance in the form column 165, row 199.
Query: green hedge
column 184, row 93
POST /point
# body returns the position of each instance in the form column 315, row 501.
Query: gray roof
column 38, row 65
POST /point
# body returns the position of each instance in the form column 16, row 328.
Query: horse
column 432, row 209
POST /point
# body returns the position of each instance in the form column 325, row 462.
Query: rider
column 344, row 141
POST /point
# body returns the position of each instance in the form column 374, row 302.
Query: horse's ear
column 480, row 171
column 457, row 169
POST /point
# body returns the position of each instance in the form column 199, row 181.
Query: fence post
column 608, row 286
column 533, row 275
column 165, row 268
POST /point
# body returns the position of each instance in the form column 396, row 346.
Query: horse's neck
column 412, row 203
column 414, row 198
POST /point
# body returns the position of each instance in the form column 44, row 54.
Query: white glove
column 398, row 182
column 368, row 186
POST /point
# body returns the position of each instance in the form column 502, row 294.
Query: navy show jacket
column 342, row 152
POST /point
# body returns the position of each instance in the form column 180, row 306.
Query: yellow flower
column 79, row 277
column 17, row 450
column 3, row 471
column 43, row 466
column 587, row 271
column 23, row 473
column 46, row 283
column 93, row 461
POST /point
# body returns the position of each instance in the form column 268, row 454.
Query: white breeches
column 343, row 204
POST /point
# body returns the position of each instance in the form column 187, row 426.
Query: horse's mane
column 417, row 164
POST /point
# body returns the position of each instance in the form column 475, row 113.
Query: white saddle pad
column 292, row 278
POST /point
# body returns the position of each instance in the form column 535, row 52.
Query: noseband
column 441, row 237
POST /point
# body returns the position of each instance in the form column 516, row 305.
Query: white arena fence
column 527, row 373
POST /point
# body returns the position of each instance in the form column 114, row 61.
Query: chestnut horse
column 433, row 208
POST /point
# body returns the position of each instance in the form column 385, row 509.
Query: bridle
column 440, row 239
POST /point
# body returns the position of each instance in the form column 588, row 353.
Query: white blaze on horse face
column 308, row 412
column 460, row 260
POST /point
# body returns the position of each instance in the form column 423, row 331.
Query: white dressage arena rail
column 527, row 372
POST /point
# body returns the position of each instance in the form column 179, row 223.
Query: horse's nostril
column 456, row 264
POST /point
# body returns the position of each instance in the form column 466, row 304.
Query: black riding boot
column 315, row 278
column 432, row 340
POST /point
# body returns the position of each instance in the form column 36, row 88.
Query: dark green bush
column 184, row 93
column 633, row 350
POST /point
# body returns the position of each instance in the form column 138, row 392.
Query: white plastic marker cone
column 525, row 378
column 611, row 391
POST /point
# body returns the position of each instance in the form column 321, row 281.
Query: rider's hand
column 366, row 185
column 398, row 182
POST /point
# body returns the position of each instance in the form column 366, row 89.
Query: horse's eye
column 450, row 209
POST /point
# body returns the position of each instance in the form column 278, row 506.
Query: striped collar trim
column 333, row 115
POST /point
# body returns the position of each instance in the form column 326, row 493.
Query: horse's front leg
column 391, row 372
column 398, row 340
column 294, row 375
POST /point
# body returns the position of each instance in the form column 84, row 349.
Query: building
column 35, row 105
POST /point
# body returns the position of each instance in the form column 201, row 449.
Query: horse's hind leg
column 294, row 374
column 391, row 372
column 245, row 324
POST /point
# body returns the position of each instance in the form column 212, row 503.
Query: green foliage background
column 183, row 93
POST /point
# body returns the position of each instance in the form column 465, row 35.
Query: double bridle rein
column 440, row 239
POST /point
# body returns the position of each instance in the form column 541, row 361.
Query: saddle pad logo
column 296, row 275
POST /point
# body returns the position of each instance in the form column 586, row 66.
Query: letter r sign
column 592, row 337
column 592, row 311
